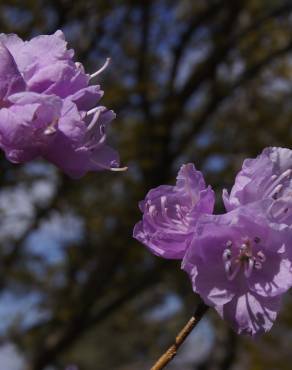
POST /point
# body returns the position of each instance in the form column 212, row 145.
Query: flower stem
column 180, row 338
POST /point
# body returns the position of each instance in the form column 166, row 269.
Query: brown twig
column 180, row 338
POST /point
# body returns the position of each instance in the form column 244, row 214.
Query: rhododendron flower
column 269, row 176
column 48, row 109
column 170, row 213
column 239, row 264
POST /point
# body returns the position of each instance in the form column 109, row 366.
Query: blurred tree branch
column 85, row 319
column 218, row 97
column 193, row 25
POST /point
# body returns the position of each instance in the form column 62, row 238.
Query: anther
column 261, row 257
column 258, row 265
column 243, row 248
column 51, row 129
column 79, row 65
column 228, row 244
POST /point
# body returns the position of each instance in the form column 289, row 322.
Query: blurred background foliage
column 205, row 81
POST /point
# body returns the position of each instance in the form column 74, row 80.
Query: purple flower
column 268, row 176
column 48, row 109
column 170, row 213
column 238, row 264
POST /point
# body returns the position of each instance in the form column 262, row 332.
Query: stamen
column 118, row 169
column 179, row 212
column 280, row 210
column 276, row 191
column 227, row 266
column 152, row 210
column 232, row 275
column 91, row 111
column 168, row 220
column 101, row 69
column 226, row 255
column 270, row 191
column 182, row 218
column 113, row 169
column 102, row 139
column 163, row 205
column 248, row 267
column 94, row 120
column 244, row 258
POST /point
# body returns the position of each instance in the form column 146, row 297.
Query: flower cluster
column 239, row 262
column 48, row 109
